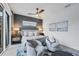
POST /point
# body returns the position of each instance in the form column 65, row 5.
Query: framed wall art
column 59, row 26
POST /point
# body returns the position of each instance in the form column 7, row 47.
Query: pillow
column 39, row 43
column 24, row 33
column 52, row 39
column 30, row 50
column 39, row 49
column 23, row 41
column 30, row 34
column 42, row 40
column 33, row 43
column 35, row 33
column 51, row 47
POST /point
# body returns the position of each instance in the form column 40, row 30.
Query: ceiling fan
column 37, row 12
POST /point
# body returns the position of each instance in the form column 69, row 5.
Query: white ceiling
column 25, row 8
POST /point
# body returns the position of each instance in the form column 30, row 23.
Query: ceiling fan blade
column 68, row 5
column 41, row 11
column 37, row 12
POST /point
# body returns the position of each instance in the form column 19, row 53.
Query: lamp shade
column 16, row 29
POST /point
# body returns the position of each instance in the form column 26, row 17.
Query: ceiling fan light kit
column 38, row 13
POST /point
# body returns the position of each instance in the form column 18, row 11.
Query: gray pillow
column 39, row 43
column 42, row 40
column 33, row 43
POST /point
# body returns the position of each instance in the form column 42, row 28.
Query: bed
column 33, row 44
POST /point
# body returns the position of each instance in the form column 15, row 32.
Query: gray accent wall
column 19, row 18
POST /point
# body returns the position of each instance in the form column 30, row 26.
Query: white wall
column 70, row 38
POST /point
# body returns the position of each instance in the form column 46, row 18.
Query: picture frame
column 59, row 26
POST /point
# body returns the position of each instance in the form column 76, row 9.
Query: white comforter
column 31, row 51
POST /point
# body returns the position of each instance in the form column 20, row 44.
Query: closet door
column 1, row 29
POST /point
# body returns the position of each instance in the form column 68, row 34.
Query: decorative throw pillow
column 23, row 41
column 39, row 43
column 25, row 33
column 39, row 49
column 51, row 46
column 30, row 34
column 52, row 39
column 33, row 43
column 36, row 33
column 42, row 40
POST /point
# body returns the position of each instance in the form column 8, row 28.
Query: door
column 1, row 29
column 6, row 29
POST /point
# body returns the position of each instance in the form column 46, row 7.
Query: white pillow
column 30, row 50
column 30, row 33
column 50, row 46
column 24, row 33
column 23, row 41
column 51, row 38
column 36, row 33
column 39, row 49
